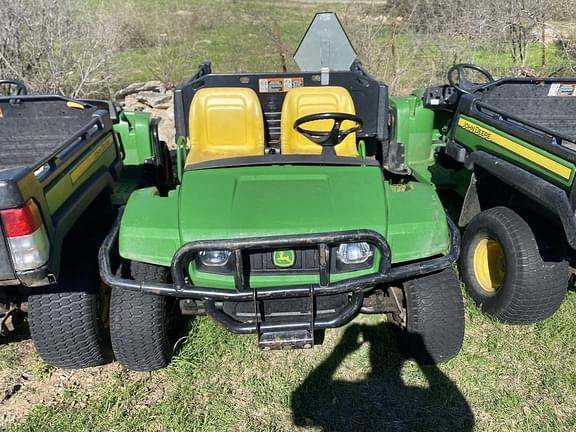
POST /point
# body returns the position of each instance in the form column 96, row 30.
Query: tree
column 54, row 46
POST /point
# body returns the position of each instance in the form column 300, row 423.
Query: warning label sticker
column 562, row 89
column 279, row 85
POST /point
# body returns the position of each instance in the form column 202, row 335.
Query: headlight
column 354, row 253
column 214, row 257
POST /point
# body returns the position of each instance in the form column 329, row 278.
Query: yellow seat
column 313, row 100
column 223, row 123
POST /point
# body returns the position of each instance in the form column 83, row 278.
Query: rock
column 139, row 87
column 551, row 34
column 159, row 101
column 184, row 13
column 155, row 98
column 526, row 72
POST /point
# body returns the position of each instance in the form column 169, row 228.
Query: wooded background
column 93, row 47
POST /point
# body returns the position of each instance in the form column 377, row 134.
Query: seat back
column 313, row 100
column 225, row 122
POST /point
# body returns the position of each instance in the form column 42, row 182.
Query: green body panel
column 475, row 142
column 133, row 131
column 149, row 227
column 417, row 226
column 98, row 158
column 229, row 203
column 414, row 129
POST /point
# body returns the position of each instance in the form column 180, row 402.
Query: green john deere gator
column 65, row 166
column 507, row 152
column 288, row 217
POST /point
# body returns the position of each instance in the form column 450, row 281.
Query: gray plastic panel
column 325, row 45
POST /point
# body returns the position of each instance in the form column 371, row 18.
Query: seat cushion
column 223, row 123
column 313, row 100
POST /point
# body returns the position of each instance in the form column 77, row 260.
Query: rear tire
column 65, row 320
column 433, row 329
column 68, row 320
column 531, row 279
column 139, row 322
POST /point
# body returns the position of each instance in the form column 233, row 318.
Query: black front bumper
column 212, row 297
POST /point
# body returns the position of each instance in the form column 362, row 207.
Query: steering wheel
column 19, row 87
column 333, row 137
column 462, row 83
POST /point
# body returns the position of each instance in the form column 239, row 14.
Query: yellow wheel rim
column 489, row 265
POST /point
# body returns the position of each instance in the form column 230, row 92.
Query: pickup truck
column 61, row 179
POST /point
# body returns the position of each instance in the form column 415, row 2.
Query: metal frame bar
column 181, row 288
column 346, row 314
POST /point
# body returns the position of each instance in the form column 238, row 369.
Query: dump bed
column 58, row 152
column 529, row 122
column 547, row 105
column 33, row 130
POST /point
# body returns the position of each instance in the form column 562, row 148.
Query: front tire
column 431, row 329
column 139, row 322
column 512, row 272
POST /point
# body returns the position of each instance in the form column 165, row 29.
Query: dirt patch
column 25, row 381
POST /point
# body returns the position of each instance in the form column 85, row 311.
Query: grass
column 235, row 36
column 505, row 378
column 240, row 36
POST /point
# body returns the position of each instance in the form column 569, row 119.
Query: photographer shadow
column 381, row 401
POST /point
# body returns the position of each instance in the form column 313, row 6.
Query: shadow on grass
column 381, row 401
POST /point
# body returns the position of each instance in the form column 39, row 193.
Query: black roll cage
column 369, row 95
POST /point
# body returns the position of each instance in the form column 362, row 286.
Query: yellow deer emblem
column 284, row 258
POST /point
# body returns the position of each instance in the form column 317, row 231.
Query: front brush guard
column 184, row 288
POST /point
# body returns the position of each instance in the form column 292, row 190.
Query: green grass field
column 242, row 36
column 505, row 379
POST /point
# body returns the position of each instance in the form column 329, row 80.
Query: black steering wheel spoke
column 328, row 139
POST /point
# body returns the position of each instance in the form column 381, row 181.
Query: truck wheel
column 514, row 275
column 139, row 322
column 65, row 322
column 431, row 323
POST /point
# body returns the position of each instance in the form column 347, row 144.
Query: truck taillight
column 26, row 236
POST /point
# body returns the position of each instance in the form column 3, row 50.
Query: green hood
column 275, row 200
column 228, row 203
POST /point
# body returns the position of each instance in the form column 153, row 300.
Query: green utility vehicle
column 507, row 148
column 288, row 217
column 60, row 180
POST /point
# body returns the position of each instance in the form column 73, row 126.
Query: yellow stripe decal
column 89, row 161
column 518, row 149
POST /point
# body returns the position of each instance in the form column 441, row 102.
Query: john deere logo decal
column 284, row 258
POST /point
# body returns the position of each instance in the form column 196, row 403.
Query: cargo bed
column 546, row 104
column 60, row 154
column 540, row 111
column 34, row 129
